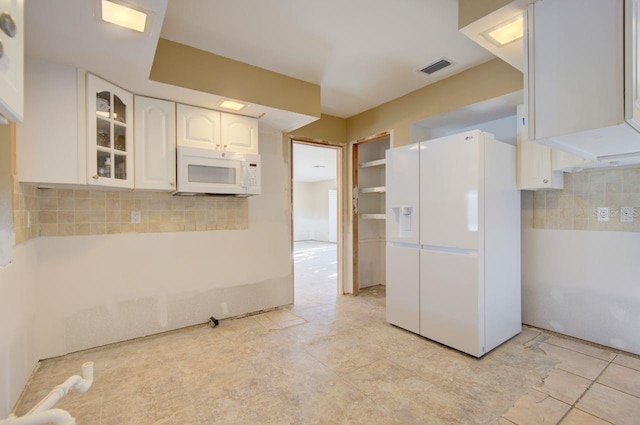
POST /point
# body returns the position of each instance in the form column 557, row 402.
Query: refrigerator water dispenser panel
column 402, row 218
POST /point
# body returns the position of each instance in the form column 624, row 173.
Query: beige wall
column 472, row 10
column 486, row 81
column 327, row 128
column 188, row 67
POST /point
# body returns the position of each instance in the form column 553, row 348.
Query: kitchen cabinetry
column 155, row 144
column 238, row 133
column 198, row 127
column 110, row 153
column 209, row 129
column 369, row 190
column 52, row 151
column 12, row 60
column 575, row 77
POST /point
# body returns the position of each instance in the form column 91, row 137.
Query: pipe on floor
column 43, row 412
column 56, row 416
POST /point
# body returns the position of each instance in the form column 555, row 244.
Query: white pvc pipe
column 42, row 413
column 57, row 416
column 75, row 382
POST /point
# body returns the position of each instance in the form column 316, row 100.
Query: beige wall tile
column 66, row 229
column 82, row 229
column 65, row 217
column 48, row 217
column 49, row 229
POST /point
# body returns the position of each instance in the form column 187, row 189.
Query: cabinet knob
column 172, row 184
column 95, row 177
column 7, row 24
column 545, row 181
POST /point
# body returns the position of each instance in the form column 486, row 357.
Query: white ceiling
column 361, row 52
column 313, row 163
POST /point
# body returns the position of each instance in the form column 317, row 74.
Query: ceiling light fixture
column 505, row 32
column 123, row 16
column 232, row 105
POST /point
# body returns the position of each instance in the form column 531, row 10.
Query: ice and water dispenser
column 401, row 222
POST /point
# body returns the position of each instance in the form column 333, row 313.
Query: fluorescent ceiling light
column 123, row 16
column 506, row 32
column 233, row 105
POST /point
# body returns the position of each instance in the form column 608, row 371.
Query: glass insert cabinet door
column 109, row 134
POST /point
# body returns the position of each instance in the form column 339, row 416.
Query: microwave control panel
column 253, row 174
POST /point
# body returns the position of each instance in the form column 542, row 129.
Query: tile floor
column 334, row 360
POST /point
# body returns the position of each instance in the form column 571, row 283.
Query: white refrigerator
column 453, row 241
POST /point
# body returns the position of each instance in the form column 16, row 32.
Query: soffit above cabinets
column 512, row 53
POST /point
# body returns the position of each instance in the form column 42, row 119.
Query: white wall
column 311, row 210
column 583, row 283
column 18, row 320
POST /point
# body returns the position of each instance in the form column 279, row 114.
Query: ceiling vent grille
column 436, row 66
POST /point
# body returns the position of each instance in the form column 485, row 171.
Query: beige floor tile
column 581, row 347
column 564, row 386
column 537, row 408
column 621, row 378
column 574, row 362
column 628, row 361
column 611, row 405
column 502, row 421
column 578, row 417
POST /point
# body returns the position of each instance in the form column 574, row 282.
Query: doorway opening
column 317, row 222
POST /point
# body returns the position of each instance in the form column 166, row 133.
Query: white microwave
column 208, row 171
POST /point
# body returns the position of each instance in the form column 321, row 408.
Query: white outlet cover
column 603, row 214
column 626, row 214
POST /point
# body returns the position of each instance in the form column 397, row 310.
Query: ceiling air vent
column 436, row 66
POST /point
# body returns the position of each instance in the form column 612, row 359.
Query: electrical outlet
column 603, row 214
column 135, row 217
column 626, row 214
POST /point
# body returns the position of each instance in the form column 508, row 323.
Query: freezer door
column 403, row 287
column 451, row 299
column 449, row 186
column 402, row 198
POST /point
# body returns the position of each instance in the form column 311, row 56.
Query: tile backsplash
column 576, row 206
column 68, row 212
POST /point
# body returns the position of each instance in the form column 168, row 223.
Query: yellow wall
column 486, row 81
column 191, row 68
column 327, row 128
column 472, row 10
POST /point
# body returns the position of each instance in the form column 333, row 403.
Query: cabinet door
column 198, row 127
column 575, row 69
column 534, row 167
column 632, row 56
column 155, row 144
column 239, row 134
column 109, row 134
column 12, row 60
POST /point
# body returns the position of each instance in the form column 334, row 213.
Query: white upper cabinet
column 209, row 129
column 50, row 143
column 198, row 127
column 575, row 77
column 109, row 134
column 632, row 59
column 155, row 144
column 239, row 133
column 12, row 60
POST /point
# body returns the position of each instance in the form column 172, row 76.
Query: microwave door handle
column 245, row 175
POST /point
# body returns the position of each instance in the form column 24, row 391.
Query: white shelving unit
column 369, row 213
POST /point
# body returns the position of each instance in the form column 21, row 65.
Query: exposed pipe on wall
column 43, row 412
